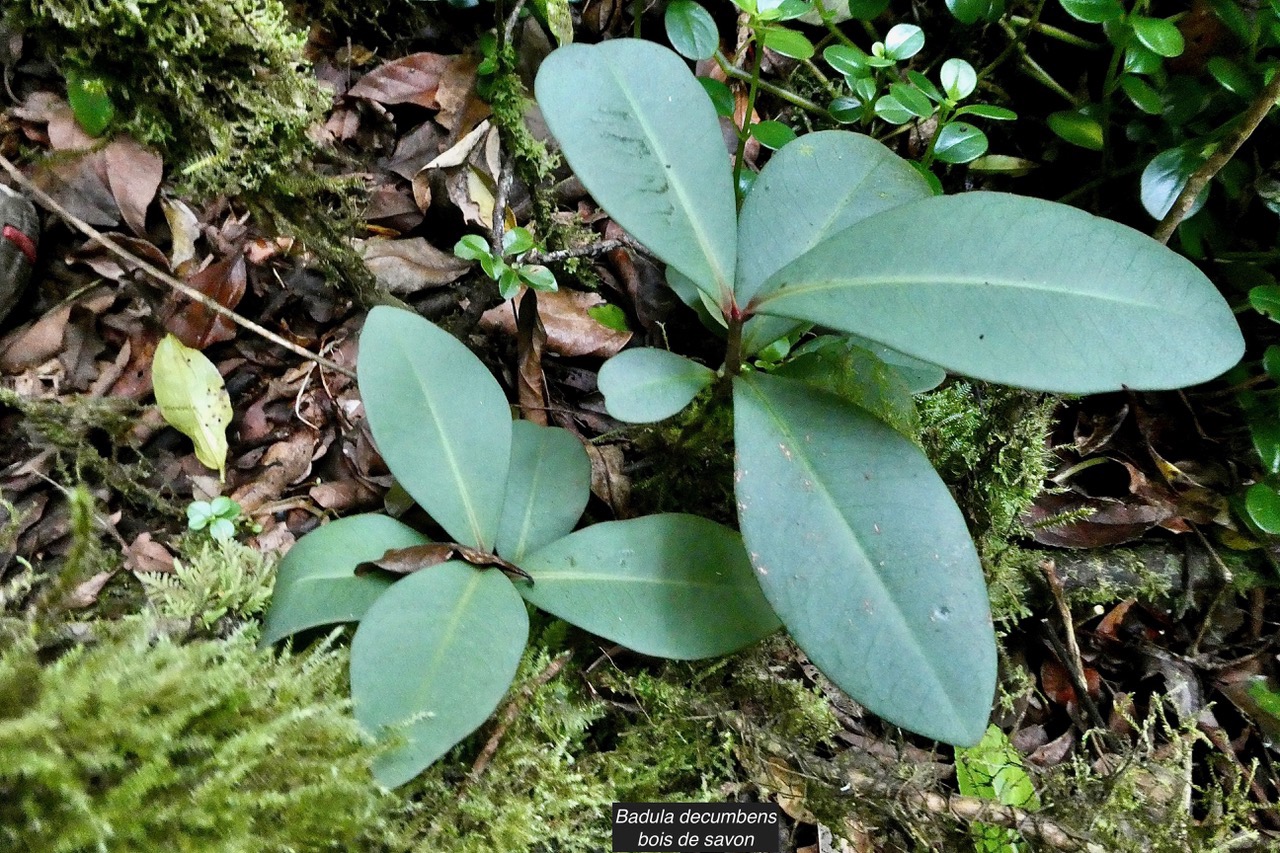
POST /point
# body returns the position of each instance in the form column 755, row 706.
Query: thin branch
column 50, row 204
column 1199, row 179
column 509, row 714
column 576, row 252
column 505, row 176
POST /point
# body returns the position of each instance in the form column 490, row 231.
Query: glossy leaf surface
column 547, row 488
column 670, row 585
column 317, row 583
column 646, row 384
column 691, row 29
column 440, row 421
column 643, row 138
column 1003, row 292
column 431, row 660
column 865, row 558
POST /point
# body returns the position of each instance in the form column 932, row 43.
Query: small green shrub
column 136, row 745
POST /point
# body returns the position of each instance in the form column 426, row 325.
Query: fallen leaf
column 193, row 399
column 571, row 331
column 408, row 266
column 413, row 79
column 406, row 561
column 133, row 174
column 86, row 594
column 144, row 554
column 184, row 230
column 531, row 385
column 194, row 324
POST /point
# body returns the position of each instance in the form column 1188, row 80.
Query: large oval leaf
column 865, row 558
column 671, row 585
column 547, row 488
column 646, row 384
column 1019, row 291
column 432, row 659
column 316, row 583
column 440, row 421
column 810, row 190
column 643, row 138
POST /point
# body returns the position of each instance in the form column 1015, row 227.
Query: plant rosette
column 854, row 538
column 442, row 625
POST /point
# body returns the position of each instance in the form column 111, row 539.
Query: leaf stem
column 745, row 131
column 1249, row 121
column 792, row 98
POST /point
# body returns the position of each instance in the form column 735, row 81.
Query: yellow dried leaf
column 191, row 396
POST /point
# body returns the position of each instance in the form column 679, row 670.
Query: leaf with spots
column 193, row 399
column 865, row 557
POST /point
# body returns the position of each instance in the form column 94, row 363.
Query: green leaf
column 558, row 18
column 669, row 585
column 90, row 103
column 865, row 558
column 786, row 42
column 1265, row 299
column 865, row 10
column 903, row 41
column 890, row 109
column 1165, row 177
column 317, row 584
column 610, row 316
column 922, row 83
column 808, row 191
column 516, row 241
column 645, row 385
column 843, row 369
column 1143, row 96
column 472, row 247
column 989, row 111
column 1139, row 60
column 959, row 79
column 440, row 421
column 972, row 11
column 508, row 282
column 547, row 488
column 222, row 529
column 960, row 142
column 1232, row 77
column 1264, row 430
column 1016, row 290
column 199, row 514
column 1158, row 35
column 915, row 101
column 691, row 29
column 772, row 134
column 720, row 94
column 635, row 102
column 538, row 277
column 431, row 659
column 993, row 770
column 191, row 396
column 920, row 376
column 1263, row 503
column 1094, row 11
column 845, row 110
column 1077, row 128
column 846, row 59
column 1270, row 363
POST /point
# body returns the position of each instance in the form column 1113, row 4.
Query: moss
column 989, row 443
column 219, row 86
column 686, row 466
column 209, row 746
column 212, row 581
column 91, row 439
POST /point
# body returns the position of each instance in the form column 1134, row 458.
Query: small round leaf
column 1158, row 35
column 772, row 134
column 959, row 79
column 691, row 29
column 903, row 41
column 1144, row 97
column 1263, row 503
column 1077, row 128
column 787, row 42
column 959, row 142
column 1094, row 11
column 720, row 94
column 644, row 385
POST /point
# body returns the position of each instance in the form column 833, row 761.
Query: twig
column 1200, row 178
column 50, row 204
column 509, row 29
column 499, row 222
column 792, row 98
column 576, row 252
column 508, row 716
column 976, row 810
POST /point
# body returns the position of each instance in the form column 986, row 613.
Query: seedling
column 507, row 273
column 442, row 624
column 855, row 540
column 219, row 516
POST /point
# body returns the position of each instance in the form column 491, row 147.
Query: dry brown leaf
column 408, row 266
column 414, row 79
column 86, row 594
column 184, row 229
column 416, row 149
column 133, row 174
column 531, row 385
column 144, row 554
column 111, row 266
column 406, row 561
column 571, row 331
column 194, row 324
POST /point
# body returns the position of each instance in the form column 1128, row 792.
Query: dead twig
column 49, row 203
column 508, row 716
column 1249, row 121
column 576, row 252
